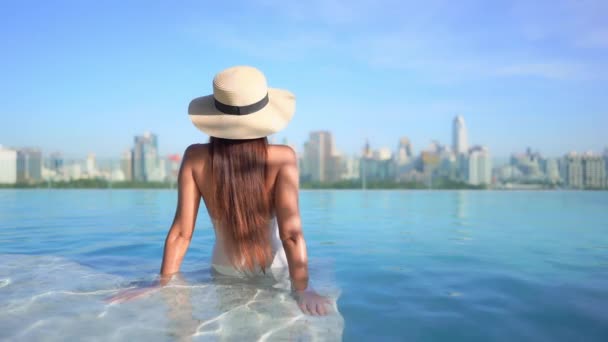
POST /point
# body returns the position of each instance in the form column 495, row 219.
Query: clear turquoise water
column 403, row 265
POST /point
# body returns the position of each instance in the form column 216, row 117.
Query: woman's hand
column 130, row 294
column 312, row 303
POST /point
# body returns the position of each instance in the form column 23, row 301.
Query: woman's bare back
column 199, row 156
column 279, row 156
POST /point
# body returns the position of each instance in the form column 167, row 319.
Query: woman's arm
column 290, row 231
column 180, row 234
column 288, row 219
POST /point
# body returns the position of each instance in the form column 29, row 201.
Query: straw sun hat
column 242, row 106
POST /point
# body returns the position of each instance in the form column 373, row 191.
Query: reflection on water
column 461, row 207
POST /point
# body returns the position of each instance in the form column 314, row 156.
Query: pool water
column 401, row 265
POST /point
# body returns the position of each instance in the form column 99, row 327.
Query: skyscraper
column 126, row 164
column 145, row 157
column 8, row 166
column 594, row 172
column 584, row 171
column 29, row 165
column 552, row 170
column 56, row 162
column 404, row 151
column 159, row 174
column 460, row 146
column 91, row 165
column 480, row 166
column 376, row 165
column 321, row 163
column 367, row 151
column 351, row 167
column 573, row 167
column 460, row 142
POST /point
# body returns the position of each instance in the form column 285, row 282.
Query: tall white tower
column 460, row 142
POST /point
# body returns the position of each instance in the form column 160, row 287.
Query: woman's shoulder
column 194, row 155
column 196, row 147
column 278, row 155
column 195, row 151
column 281, row 151
column 281, row 154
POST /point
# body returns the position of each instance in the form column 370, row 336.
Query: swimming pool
column 403, row 265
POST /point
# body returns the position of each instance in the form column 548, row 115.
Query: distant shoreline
column 443, row 185
column 3, row 188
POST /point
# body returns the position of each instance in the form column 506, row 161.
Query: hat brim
column 272, row 118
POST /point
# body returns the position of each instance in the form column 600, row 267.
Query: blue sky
column 86, row 76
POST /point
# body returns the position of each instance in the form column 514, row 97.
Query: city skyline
column 523, row 74
column 457, row 165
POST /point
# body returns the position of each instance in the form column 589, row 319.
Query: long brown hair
column 241, row 203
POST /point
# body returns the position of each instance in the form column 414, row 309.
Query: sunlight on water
column 402, row 265
column 54, row 299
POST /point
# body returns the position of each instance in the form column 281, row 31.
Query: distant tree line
column 97, row 183
column 443, row 184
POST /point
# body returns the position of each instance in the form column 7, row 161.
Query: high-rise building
column 91, row 165
column 336, row 167
column 480, row 166
column 552, row 170
column 126, row 165
column 8, row 166
column 383, row 153
column 405, row 153
column 573, row 171
column 367, row 151
column 530, row 164
column 430, row 162
column 56, row 161
column 321, row 163
column 145, row 157
column 460, row 143
column 584, row 171
column 460, row 146
column 377, row 165
column 447, row 168
column 159, row 174
column 594, row 171
column 29, row 165
column 351, row 168
column 74, row 171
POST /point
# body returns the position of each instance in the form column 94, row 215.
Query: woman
column 250, row 188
